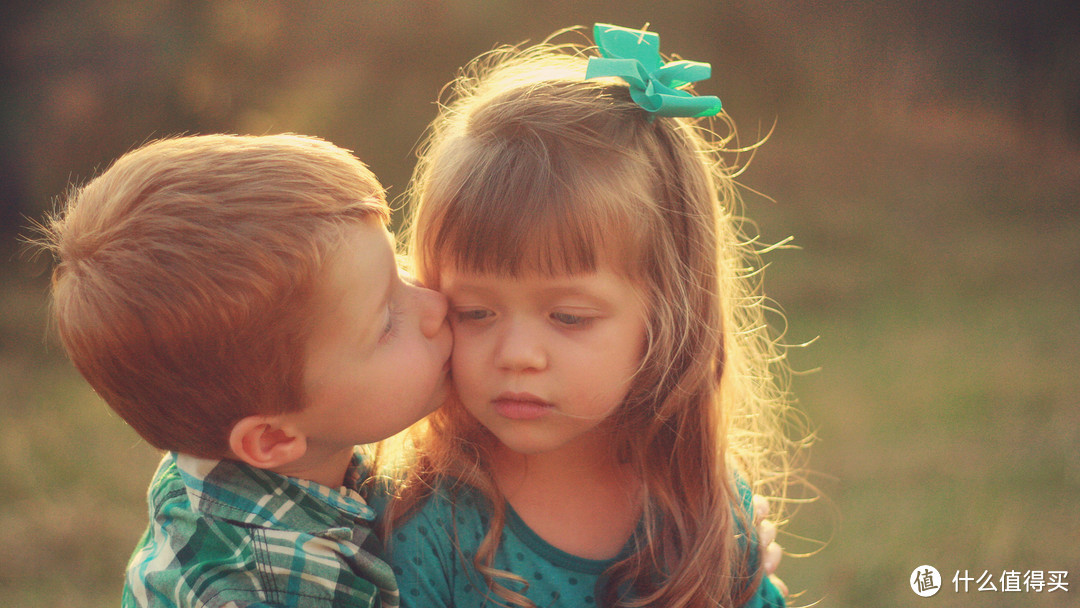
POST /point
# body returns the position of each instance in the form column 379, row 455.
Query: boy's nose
column 433, row 306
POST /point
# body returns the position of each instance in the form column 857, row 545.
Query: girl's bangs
column 521, row 218
column 513, row 216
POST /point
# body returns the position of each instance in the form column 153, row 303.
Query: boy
column 237, row 301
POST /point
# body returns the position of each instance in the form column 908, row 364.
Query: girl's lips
column 520, row 406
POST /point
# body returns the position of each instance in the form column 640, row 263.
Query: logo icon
column 925, row 581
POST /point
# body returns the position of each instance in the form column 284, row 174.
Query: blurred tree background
column 925, row 157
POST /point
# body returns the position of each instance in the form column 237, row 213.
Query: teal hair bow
column 634, row 56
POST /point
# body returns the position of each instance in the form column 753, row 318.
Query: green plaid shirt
column 223, row 533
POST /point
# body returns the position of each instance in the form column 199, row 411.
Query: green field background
column 925, row 158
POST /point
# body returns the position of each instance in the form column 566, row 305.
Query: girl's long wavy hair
column 531, row 168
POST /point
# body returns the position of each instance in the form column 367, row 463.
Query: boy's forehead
column 370, row 236
column 355, row 277
column 364, row 248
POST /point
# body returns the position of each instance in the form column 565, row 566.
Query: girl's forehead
column 604, row 286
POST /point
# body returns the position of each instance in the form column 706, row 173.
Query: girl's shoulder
column 448, row 522
column 746, row 494
column 450, row 504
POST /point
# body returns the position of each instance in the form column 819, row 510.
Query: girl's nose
column 519, row 349
column 432, row 306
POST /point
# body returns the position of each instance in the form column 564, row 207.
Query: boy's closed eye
column 393, row 316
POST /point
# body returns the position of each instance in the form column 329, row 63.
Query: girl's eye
column 471, row 315
column 570, row 320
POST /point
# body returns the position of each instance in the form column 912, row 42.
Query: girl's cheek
column 466, row 358
column 458, row 353
column 463, row 351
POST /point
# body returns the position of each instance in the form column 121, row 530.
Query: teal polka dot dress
column 432, row 573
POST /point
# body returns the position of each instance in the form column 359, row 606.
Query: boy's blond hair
column 532, row 168
column 183, row 275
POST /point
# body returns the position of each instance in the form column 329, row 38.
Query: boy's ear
column 266, row 442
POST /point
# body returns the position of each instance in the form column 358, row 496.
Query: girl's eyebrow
column 466, row 288
column 592, row 295
column 562, row 289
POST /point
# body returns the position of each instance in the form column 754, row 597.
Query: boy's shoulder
column 224, row 533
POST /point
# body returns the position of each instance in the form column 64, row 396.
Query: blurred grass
column 72, row 476
column 943, row 291
column 938, row 269
column 945, row 402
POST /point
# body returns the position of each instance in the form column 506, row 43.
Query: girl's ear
column 266, row 442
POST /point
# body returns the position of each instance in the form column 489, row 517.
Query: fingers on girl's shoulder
column 761, row 506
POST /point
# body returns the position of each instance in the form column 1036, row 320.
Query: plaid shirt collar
column 236, row 492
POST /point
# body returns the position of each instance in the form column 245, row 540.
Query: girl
column 617, row 393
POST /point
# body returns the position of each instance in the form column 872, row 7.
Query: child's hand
column 770, row 550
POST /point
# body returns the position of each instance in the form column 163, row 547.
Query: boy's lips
column 520, row 406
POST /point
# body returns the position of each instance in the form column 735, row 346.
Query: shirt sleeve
column 766, row 596
column 421, row 552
